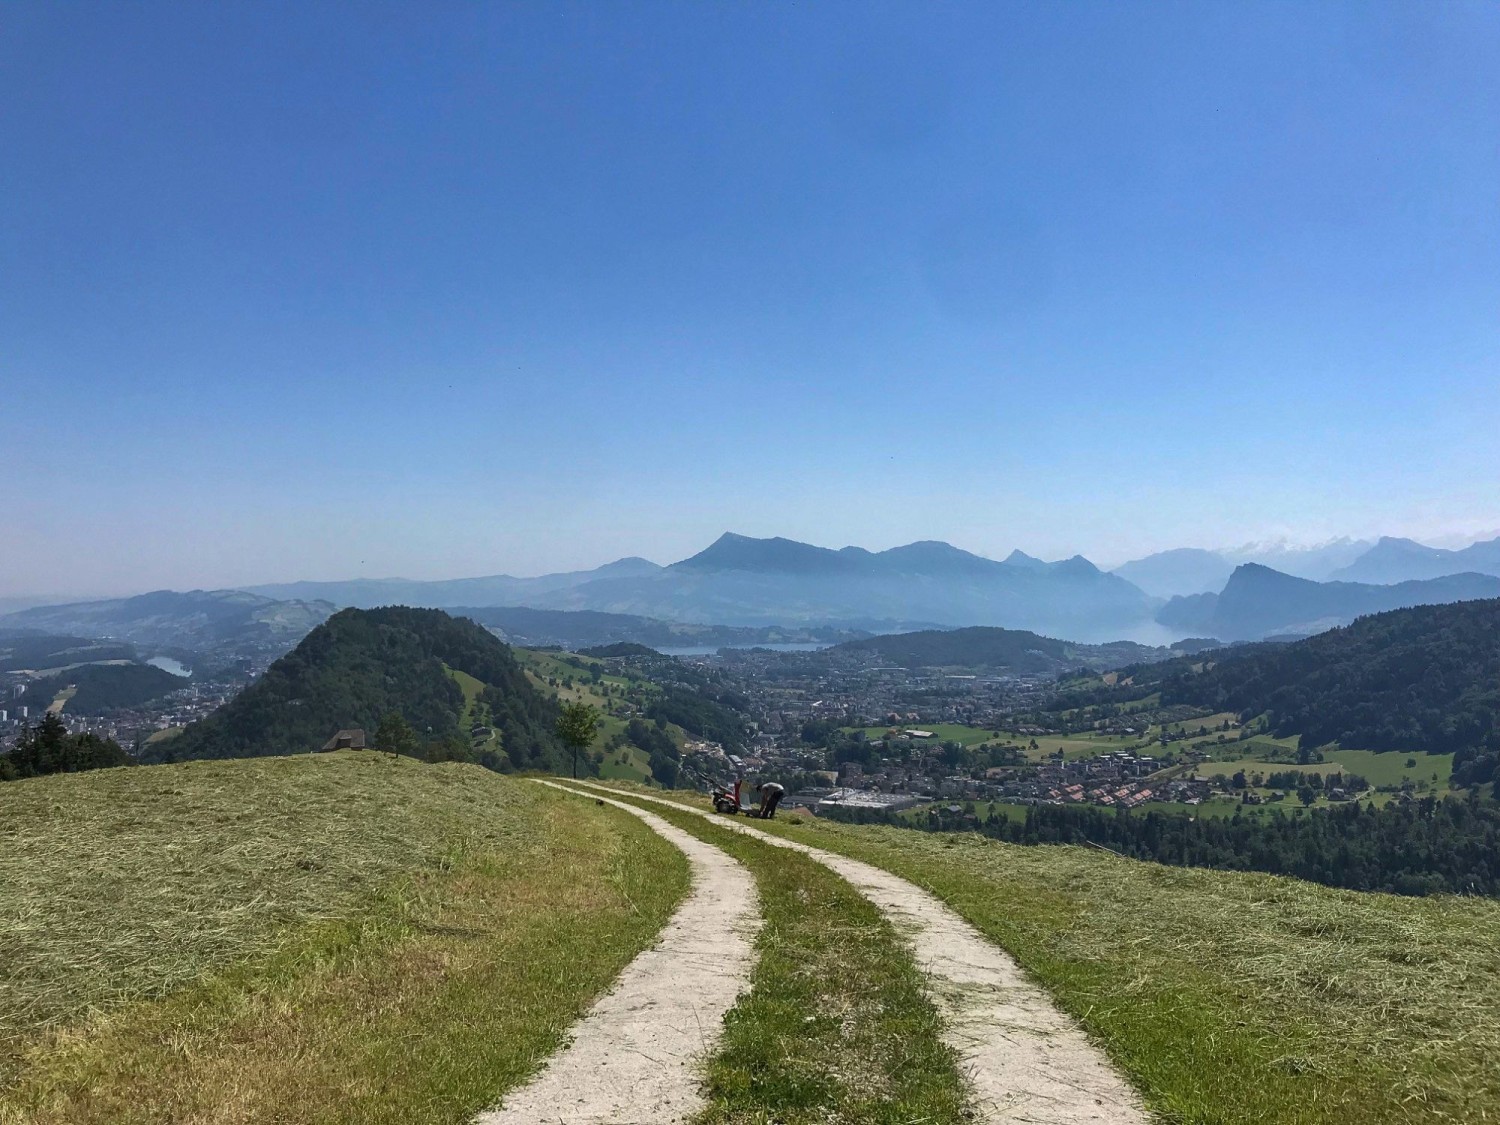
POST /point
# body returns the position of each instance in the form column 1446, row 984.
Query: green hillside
column 361, row 665
column 1425, row 678
column 985, row 646
column 108, row 687
column 336, row 938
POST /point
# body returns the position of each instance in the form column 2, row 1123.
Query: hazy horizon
column 316, row 293
column 1234, row 553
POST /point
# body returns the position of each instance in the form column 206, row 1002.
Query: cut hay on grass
column 333, row 938
column 1233, row 996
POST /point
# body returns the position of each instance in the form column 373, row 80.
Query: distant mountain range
column 1259, row 602
column 748, row 590
column 1403, row 560
column 752, row 582
column 1385, row 562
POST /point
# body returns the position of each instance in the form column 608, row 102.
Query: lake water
column 167, row 664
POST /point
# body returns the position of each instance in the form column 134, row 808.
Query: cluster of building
column 130, row 726
column 787, row 690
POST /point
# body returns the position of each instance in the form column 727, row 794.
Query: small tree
column 577, row 726
column 395, row 736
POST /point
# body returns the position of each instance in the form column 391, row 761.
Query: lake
column 167, row 664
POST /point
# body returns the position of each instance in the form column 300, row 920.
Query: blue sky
column 316, row 290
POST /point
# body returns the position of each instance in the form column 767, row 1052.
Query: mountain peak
column 732, row 551
column 1076, row 565
column 933, row 553
column 1020, row 558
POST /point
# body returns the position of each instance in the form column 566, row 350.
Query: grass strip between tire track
column 837, row 1026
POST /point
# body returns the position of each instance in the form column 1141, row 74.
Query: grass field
column 1233, row 997
column 942, row 732
column 1389, row 768
column 472, row 688
column 836, row 1027
column 332, row 938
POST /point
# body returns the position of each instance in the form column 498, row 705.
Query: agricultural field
column 1388, row 768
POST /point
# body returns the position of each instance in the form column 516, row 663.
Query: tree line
column 1418, row 847
column 47, row 748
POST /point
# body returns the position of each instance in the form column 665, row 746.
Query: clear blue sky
column 316, row 290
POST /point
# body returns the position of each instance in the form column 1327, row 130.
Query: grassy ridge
column 836, row 1026
column 332, row 938
column 1229, row 996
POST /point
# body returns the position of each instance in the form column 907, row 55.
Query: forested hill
column 361, row 665
column 1425, row 678
column 1014, row 650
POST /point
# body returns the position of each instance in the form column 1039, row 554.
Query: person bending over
column 770, row 797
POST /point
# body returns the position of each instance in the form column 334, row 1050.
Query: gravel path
column 634, row 1059
column 1025, row 1060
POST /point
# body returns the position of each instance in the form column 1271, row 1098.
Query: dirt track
column 1025, row 1060
column 634, row 1057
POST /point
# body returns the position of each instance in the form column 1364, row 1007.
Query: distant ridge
column 202, row 619
column 1259, row 602
column 1009, row 650
column 498, row 589
column 1403, row 560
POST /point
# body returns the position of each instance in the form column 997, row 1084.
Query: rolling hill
column 1422, row 678
column 203, row 620
column 534, row 628
column 361, row 665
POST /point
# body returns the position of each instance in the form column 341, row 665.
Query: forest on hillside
column 361, row 665
column 1425, row 678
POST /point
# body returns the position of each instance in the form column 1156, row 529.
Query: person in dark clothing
column 770, row 797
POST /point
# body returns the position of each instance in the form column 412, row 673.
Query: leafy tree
column 577, row 725
column 395, row 736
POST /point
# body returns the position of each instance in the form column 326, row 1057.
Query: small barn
column 346, row 740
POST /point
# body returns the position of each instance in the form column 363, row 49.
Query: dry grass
column 332, row 938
